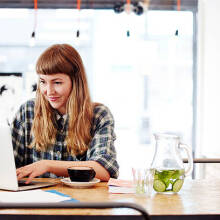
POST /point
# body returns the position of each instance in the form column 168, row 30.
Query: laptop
column 8, row 177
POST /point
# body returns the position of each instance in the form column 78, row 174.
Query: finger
column 23, row 174
column 21, row 169
column 30, row 178
column 20, row 176
column 19, row 172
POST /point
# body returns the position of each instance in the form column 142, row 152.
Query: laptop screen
column 8, row 175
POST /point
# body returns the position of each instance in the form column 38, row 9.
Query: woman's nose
column 50, row 90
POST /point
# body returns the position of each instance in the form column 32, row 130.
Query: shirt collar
column 58, row 116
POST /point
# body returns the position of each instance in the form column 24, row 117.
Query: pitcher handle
column 190, row 159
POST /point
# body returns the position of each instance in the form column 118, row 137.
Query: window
column 145, row 79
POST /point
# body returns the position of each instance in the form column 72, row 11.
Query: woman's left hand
column 32, row 170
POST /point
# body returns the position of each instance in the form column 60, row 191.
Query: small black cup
column 81, row 174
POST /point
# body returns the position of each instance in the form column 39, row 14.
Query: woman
column 62, row 127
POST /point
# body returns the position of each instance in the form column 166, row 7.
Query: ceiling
column 97, row 4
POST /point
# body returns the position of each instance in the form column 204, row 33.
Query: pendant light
column 33, row 35
column 78, row 8
column 178, row 9
column 127, row 8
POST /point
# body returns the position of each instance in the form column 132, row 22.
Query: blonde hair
column 63, row 58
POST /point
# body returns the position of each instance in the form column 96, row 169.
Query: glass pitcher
column 167, row 162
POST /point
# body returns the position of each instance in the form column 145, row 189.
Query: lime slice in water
column 177, row 185
column 159, row 186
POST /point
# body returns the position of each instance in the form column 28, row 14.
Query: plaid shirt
column 101, row 147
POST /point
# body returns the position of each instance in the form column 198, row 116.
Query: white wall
column 208, row 78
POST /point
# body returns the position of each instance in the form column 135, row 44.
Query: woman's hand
column 32, row 170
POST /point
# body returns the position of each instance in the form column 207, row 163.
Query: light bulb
column 32, row 41
column 77, row 33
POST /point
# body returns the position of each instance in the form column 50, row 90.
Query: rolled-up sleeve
column 102, row 149
column 21, row 133
column 18, row 138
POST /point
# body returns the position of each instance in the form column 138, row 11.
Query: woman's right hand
column 33, row 170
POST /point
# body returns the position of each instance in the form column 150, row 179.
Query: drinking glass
column 143, row 179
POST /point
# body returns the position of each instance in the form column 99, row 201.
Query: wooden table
column 197, row 198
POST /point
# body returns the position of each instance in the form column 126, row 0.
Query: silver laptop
column 8, row 177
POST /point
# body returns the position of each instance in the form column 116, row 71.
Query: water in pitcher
column 168, row 180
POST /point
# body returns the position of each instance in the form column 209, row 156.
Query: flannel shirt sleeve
column 102, row 149
column 18, row 137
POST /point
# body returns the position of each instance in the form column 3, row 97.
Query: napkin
column 120, row 186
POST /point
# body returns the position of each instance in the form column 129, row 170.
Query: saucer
column 91, row 183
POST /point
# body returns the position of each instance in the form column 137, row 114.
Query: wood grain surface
column 197, row 197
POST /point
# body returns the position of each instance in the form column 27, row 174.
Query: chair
column 75, row 205
column 204, row 161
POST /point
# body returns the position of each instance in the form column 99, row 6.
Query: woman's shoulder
column 102, row 113
column 28, row 105
column 102, row 118
column 100, row 110
column 26, row 110
column 25, row 113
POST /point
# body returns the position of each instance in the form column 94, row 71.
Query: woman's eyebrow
column 52, row 79
column 56, row 79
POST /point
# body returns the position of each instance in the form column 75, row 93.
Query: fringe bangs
column 52, row 62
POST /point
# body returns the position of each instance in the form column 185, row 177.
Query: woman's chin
column 55, row 106
column 59, row 108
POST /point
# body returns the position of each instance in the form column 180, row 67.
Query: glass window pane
column 145, row 79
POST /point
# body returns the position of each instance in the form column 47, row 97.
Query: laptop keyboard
column 22, row 183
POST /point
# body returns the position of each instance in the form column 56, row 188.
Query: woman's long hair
column 63, row 58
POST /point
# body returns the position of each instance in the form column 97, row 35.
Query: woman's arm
column 102, row 149
column 59, row 168
column 101, row 155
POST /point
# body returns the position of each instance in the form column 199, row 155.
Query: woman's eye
column 42, row 82
column 58, row 82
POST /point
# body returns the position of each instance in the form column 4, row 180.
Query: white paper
column 36, row 196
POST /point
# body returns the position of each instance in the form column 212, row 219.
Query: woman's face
column 56, row 88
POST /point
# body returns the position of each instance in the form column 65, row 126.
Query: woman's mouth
column 53, row 99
